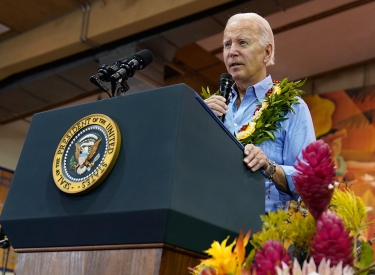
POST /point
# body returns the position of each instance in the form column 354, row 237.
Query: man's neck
column 242, row 87
column 248, row 82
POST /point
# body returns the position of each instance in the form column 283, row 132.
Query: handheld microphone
column 225, row 85
column 128, row 66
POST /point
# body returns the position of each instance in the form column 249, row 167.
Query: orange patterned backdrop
column 345, row 119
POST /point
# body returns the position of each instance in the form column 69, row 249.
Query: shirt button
column 235, row 125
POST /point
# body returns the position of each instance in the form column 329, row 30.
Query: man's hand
column 255, row 158
column 217, row 104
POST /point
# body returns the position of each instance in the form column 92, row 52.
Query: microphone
column 128, row 66
column 124, row 67
column 225, row 85
column 104, row 72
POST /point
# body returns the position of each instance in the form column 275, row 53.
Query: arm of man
column 297, row 132
column 256, row 159
column 217, row 104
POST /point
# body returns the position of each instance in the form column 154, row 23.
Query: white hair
column 262, row 28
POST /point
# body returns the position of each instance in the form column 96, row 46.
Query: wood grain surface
column 163, row 260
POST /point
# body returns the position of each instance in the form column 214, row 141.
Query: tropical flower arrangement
column 276, row 104
column 320, row 235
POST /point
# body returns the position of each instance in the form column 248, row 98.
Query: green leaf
column 271, row 134
column 286, row 87
column 259, row 123
column 250, row 258
column 300, row 83
column 206, row 93
column 285, row 80
column 259, row 141
column 367, row 256
column 279, row 101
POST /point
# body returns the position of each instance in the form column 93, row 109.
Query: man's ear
column 267, row 53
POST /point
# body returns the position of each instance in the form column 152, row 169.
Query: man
column 248, row 49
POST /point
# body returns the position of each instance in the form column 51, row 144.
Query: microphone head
column 144, row 57
column 226, row 76
column 225, row 80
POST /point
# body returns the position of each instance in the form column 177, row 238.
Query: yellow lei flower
column 248, row 131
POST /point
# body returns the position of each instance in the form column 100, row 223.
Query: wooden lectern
column 178, row 185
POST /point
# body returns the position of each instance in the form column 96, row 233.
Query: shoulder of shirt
column 302, row 103
column 299, row 109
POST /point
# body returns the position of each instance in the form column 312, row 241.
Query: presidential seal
column 86, row 154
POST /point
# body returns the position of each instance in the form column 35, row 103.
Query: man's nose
column 233, row 50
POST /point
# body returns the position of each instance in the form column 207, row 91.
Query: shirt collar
column 260, row 88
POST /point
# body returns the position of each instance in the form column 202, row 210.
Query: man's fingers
column 217, row 104
column 217, row 109
column 254, row 157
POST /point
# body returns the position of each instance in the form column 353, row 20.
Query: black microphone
column 225, row 85
column 105, row 71
column 128, row 66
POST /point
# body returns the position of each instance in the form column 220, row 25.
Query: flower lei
column 278, row 101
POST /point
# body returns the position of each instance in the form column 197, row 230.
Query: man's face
column 244, row 58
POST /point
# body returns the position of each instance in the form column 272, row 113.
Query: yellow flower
column 248, row 131
column 351, row 209
column 223, row 259
column 264, row 105
column 277, row 89
column 257, row 115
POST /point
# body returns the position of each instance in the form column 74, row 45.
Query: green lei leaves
column 206, row 93
column 279, row 105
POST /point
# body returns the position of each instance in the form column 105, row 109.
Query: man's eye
column 227, row 45
column 243, row 42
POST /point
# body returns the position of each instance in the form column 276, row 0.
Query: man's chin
column 236, row 74
column 236, row 69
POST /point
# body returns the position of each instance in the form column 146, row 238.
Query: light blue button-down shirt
column 294, row 135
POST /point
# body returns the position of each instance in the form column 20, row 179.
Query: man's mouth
column 235, row 64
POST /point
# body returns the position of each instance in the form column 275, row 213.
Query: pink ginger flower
column 272, row 255
column 332, row 241
column 314, row 177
